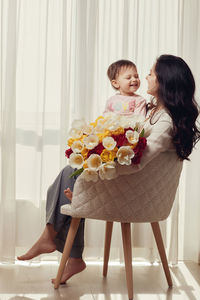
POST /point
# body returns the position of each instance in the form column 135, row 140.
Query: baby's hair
column 114, row 68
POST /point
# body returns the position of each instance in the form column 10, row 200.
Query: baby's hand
column 68, row 193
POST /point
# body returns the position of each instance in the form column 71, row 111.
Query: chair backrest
column 144, row 196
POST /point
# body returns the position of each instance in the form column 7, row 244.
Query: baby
column 124, row 78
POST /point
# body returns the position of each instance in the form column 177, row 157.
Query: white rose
column 76, row 160
column 109, row 143
column 94, row 161
column 108, row 171
column 90, row 175
column 124, row 155
column 91, row 141
column 132, row 136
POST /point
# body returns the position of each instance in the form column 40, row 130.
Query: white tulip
column 77, row 146
column 77, row 128
column 108, row 171
column 76, row 160
column 101, row 125
column 79, row 124
column 109, row 143
column 132, row 136
column 112, row 121
column 90, row 175
column 91, row 141
column 127, row 122
column 75, row 133
column 112, row 126
column 94, row 161
column 109, row 115
column 88, row 129
column 124, row 155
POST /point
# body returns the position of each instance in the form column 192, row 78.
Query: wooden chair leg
column 66, row 252
column 126, row 237
column 108, row 235
column 159, row 241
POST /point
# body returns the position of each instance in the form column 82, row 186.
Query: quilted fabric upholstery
column 144, row 196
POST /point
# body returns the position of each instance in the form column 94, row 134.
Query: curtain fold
column 54, row 59
column 189, row 50
column 8, row 125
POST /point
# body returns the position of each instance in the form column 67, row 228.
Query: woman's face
column 152, row 82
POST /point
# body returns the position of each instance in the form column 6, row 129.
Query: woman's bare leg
column 45, row 244
column 73, row 266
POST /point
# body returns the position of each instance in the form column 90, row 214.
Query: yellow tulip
column 118, row 131
column 94, row 124
column 84, row 153
column 85, row 166
column 70, row 142
column 107, row 155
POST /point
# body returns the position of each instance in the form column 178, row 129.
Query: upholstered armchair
column 144, row 196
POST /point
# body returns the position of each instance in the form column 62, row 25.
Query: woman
column 172, row 113
column 171, row 116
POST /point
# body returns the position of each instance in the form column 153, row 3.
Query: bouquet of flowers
column 95, row 149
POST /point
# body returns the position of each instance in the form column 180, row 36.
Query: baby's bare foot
column 73, row 266
column 68, row 193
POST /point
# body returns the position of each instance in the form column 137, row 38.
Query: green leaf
column 142, row 133
column 77, row 172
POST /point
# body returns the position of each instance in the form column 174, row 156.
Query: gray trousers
column 55, row 199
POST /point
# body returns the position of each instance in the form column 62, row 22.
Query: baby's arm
column 68, row 193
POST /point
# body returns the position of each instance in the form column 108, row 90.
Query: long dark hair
column 176, row 92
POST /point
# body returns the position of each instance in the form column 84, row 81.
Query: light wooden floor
column 31, row 282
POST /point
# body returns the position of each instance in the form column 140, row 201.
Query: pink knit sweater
column 126, row 105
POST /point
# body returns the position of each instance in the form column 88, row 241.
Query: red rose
column 97, row 150
column 128, row 129
column 120, row 139
column 142, row 143
column 136, row 159
column 68, row 152
column 138, row 150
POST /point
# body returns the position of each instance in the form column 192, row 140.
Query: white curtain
column 54, row 58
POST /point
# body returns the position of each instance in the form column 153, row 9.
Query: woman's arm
column 158, row 141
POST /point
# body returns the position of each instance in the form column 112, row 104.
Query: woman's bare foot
column 45, row 244
column 68, row 193
column 73, row 266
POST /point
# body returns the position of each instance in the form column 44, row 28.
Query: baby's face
column 127, row 82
